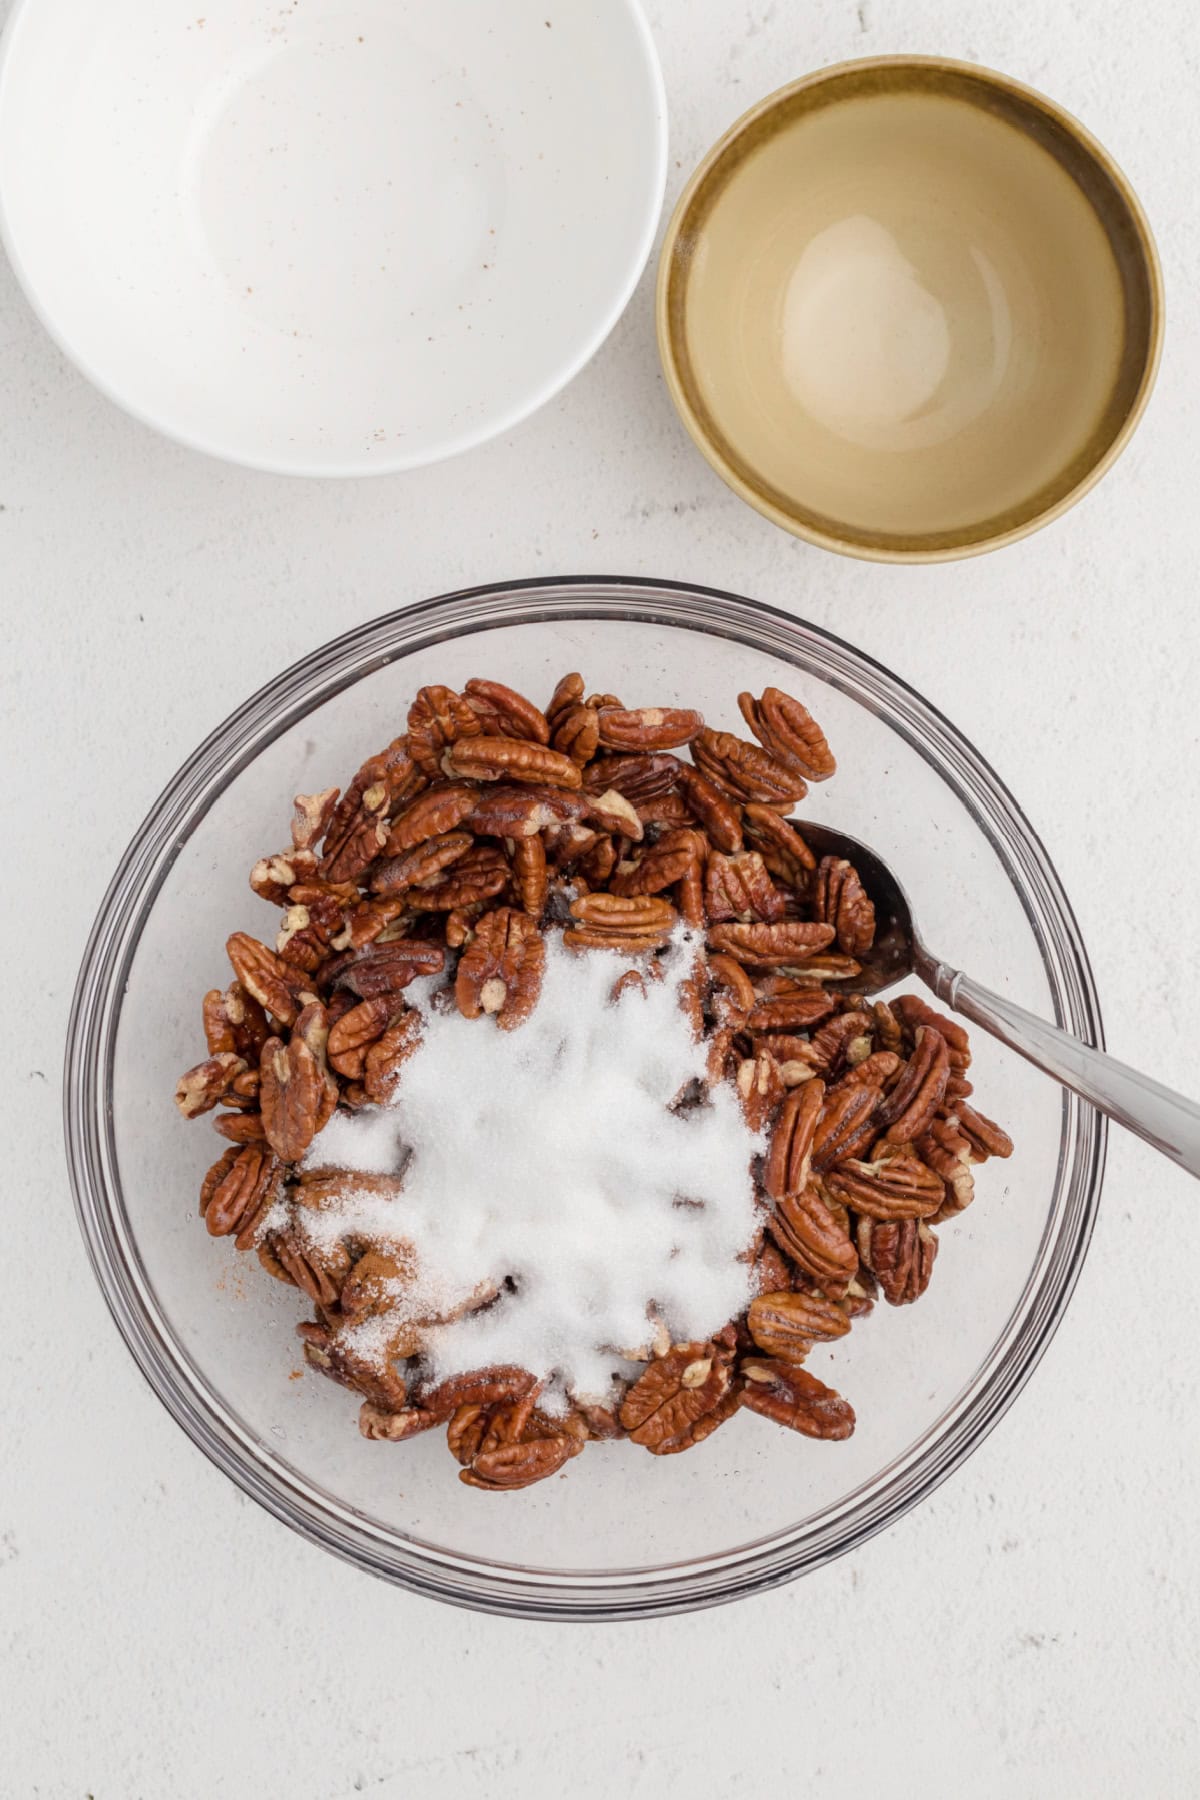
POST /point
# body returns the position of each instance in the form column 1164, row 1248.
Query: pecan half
column 609, row 921
column 846, row 1039
column 790, row 1155
column 712, row 808
column 387, row 1055
column 745, row 771
column 789, row 731
column 661, row 865
column 877, row 1070
column 351, row 1036
column 797, row 1011
column 568, row 692
column 577, row 733
column 510, row 759
column 813, row 1236
column 912, row 1104
column 639, row 778
column 422, row 864
column 386, row 968
column 779, row 843
column 732, row 986
column 234, row 1021
column 791, row 1396
column 437, row 719
column 770, row 946
column 787, row 1325
column 739, row 887
column 501, row 970
column 318, row 1270
column 668, row 1401
column 847, row 1125
column 760, row 1087
column 430, row 815
column 478, row 1387
column 384, row 783
column 530, row 875
column 912, row 1013
column 895, row 1185
column 263, row 975
column 238, row 1189
column 506, row 1466
column 291, row 1091
column 900, row 1253
column 518, row 812
column 201, row 1088
column 503, row 712
column 648, row 728
column 840, row 899
column 985, row 1138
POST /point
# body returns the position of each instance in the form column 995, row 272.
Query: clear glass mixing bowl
column 622, row 1534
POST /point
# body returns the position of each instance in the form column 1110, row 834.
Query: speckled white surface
column 1030, row 1632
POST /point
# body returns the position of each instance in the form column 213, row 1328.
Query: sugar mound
column 546, row 1163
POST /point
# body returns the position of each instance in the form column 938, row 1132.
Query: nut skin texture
column 900, row 1254
column 745, row 771
column 503, row 712
column 501, row 971
column 913, row 1103
column 810, row 1233
column 437, row 719
column 291, row 1091
column 789, row 1158
column 648, row 728
column 787, row 1325
column 263, row 976
column 431, row 815
column 739, row 888
column 774, row 946
column 894, row 1185
column 673, row 1395
column 238, row 1188
column 203, row 1087
column 840, row 900
column 510, row 759
column 789, row 731
column 848, row 1124
column 353, row 1034
column 417, row 867
column 387, row 1056
column 790, row 1396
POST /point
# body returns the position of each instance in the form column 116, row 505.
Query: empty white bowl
column 330, row 237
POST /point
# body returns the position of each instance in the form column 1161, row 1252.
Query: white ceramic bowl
column 330, row 237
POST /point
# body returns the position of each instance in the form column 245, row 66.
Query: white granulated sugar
column 548, row 1157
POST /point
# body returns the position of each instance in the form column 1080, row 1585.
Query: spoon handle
column 1167, row 1120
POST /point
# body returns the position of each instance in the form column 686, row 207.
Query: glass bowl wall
column 622, row 1533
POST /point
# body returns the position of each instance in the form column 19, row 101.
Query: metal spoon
column 1165, row 1119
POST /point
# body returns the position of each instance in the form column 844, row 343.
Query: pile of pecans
column 488, row 824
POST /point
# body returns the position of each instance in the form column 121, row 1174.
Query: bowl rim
column 649, row 201
column 93, row 1163
column 844, row 542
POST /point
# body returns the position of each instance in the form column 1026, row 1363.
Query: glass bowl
column 622, row 1534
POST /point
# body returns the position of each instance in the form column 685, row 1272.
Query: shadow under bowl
column 909, row 309
column 622, row 1534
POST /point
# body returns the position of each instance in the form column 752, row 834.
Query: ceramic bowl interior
column 622, row 1532
column 330, row 240
column 909, row 308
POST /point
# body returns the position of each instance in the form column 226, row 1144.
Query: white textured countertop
column 1030, row 1631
